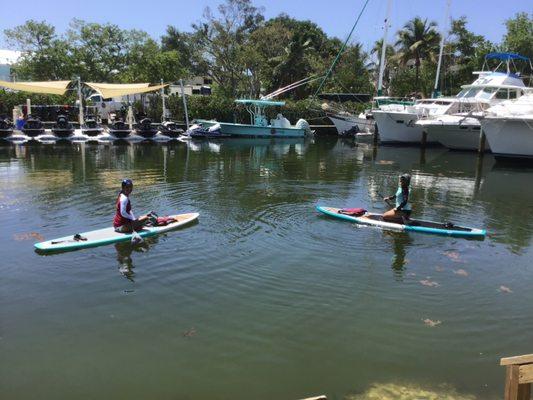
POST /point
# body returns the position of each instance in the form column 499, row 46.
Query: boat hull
column 398, row 127
column 244, row 130
column 456, row 137
column 509, row 137
column 345, row 124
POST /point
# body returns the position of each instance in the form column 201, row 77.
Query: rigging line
column 341, row 50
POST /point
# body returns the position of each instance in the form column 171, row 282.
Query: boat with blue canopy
column 260, row 126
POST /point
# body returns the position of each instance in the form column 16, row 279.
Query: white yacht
column 509, row 127
column 458, row 128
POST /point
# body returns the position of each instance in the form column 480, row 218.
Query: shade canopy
column 506, row 56
column 264, row 103
column 49, row 87
column 108, row 90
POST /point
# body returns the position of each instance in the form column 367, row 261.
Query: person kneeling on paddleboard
column 125, row 221
column 402, row 210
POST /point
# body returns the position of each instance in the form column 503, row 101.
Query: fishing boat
column 415, row 225
column 509, row 127
column 279, row 127
column 458, row 128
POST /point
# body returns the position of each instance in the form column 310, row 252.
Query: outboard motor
column 6, row 127
column 303, row 124
column 33, row 127
column 63, row 128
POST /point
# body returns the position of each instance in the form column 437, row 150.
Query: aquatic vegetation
column 28, row 236
column 428, row 282
column 452, row 255
column 189, row 333
column 396, row 391
column 438, row 268
column 460, row 272
column 431, row 323
column 505, row 289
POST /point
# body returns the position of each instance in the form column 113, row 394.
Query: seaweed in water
column 395, row 391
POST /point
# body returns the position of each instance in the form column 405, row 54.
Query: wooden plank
column 525, row 373
column 525, row 359
column 524, row 392
column 511, row 383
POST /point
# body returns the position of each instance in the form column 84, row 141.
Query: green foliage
column 519, row 36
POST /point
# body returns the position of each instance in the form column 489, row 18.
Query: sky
column 335, row 17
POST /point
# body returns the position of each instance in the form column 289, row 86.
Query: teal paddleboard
column 106, row 236
column 415, row 225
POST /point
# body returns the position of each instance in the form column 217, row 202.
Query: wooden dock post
column 482, row 140
column 518, row 377
column 424, row 139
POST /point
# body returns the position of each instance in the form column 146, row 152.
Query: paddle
column 385, row 199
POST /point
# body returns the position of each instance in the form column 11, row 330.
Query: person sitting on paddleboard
column 125, row 221
column 402, row 210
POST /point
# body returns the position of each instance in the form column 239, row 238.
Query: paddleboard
column 416, row 225
column 106, row 236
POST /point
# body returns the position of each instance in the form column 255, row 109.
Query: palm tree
column 419, row 40
column 389, row 55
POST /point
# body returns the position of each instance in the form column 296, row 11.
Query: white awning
column 108, row 90
column 50, row 87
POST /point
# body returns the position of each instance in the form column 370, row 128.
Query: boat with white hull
column 509, row 127
column 396, row 123
column 459, row 128
column 279, row 127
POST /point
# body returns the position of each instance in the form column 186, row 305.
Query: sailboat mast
column 384, row 48
column 435, row 90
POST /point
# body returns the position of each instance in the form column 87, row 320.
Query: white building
column 198, row 85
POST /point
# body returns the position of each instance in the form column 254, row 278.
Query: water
column 262, row 298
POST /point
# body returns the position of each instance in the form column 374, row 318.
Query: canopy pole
column 384, row 48
column 163, row 118
column 28, row 108
column 80, row 100
column 341, row 50
column 184, row 104
column 435, row 90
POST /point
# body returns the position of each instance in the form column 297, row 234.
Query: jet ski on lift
column 6, row 127
column 145, row 129
column 91, row 127
column 33, row 127
column 171, row 129
column 119, row 129
column 63, row 128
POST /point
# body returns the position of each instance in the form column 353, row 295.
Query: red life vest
column 119, row 220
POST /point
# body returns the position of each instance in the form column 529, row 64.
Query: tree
column 418, row 40
column 222, row 39
column 519, row 36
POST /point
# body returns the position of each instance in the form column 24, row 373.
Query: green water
column 263, row 298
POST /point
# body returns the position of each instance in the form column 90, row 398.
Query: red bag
column 356, row 212
column 162, row 221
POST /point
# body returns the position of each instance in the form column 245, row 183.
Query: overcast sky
column 336, row 17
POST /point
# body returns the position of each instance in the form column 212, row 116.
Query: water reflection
column 400, row 243
column 124, row 255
